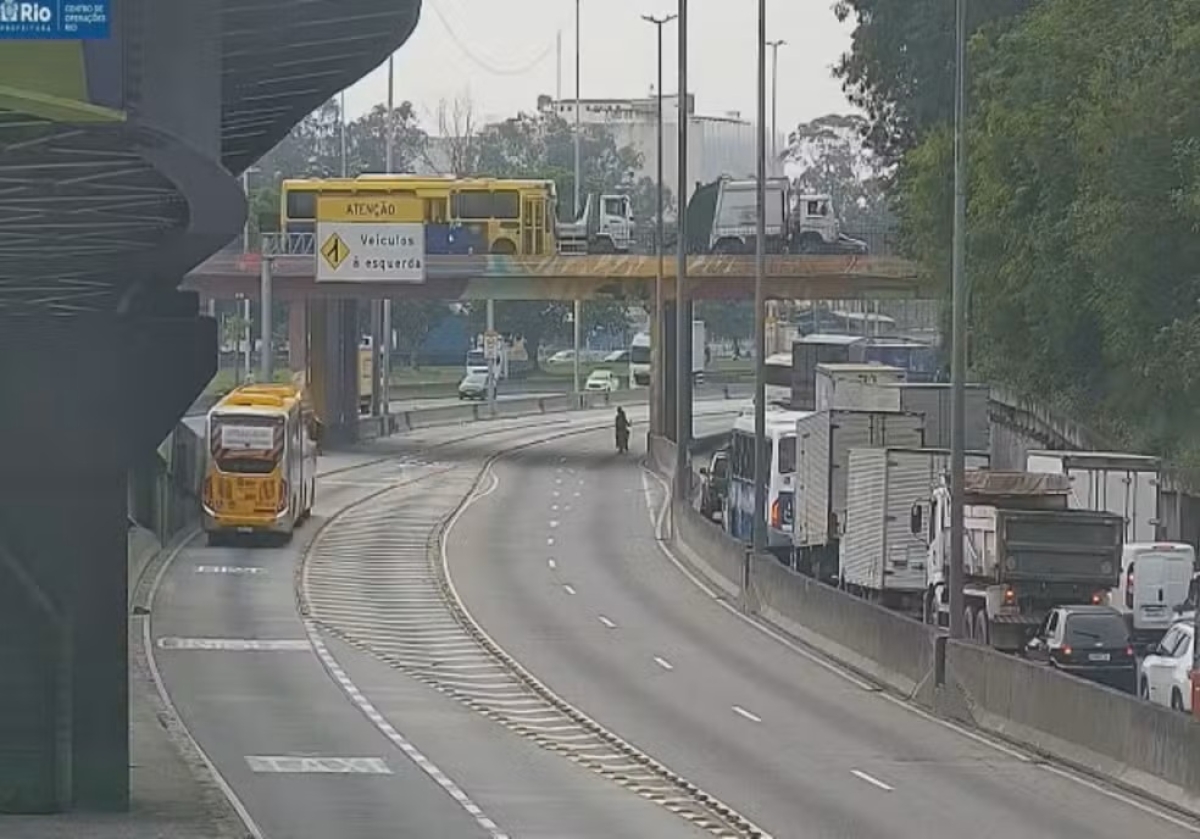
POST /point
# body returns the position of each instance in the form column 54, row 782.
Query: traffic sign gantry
column 364, row 239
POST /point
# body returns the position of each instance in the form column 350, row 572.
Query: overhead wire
column 483, row 63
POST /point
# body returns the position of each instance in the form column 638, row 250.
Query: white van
column 1155, row 577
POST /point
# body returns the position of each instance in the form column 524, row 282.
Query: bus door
column 533, row 225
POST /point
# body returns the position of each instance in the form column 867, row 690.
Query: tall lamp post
column 775, row 45
column 683, row 320
column 958, row 333
column 760, row 323
column 656, row 381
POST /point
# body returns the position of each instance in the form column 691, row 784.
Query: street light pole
column 775, row 45
column 342, row 109
column 760, row 315
column 578, row 152
column 656, row 371
column 390, row 142
column 683, row 321
column 958, row 332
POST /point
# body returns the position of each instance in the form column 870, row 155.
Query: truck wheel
column 982, row 627
column 969, row 623
column 1176, row 700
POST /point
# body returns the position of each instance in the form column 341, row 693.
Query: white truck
column 851, row 387
column 639, row 356
column 605, row 225
column 1125, row 484
column 881, row 559
column 816, row 229
column 1024, row 552
column 823, row 443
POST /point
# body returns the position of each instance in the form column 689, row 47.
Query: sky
column 501, row 54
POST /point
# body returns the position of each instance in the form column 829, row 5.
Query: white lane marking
column 550, row 541
column 552, row 564
column 568, row 508
column 742, row 712
column 558, row 480
column 229, row 569
column 287, row 764
column 389, row 731
column 975, row 736
column 251, row 825
column 556, row 493
column 577, row 495
column 554, row 508
column 607, row 622
column 875, row 782
column 553, row 523
column 663, row 663
column 569, row 589
column 234, row 645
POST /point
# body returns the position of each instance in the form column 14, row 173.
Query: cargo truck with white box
column 881, row 559
column 1116, row 482
column 932, row 401
column 1024, row 552
column 851, row 387
column 823, row 444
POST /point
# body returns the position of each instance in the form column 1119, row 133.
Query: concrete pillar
column 95, row 395
column 666, row 359
column 298, row 336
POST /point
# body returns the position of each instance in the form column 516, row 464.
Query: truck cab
column 605, row 225
column 816, row 229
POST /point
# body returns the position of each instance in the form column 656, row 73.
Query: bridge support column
column 82, row 400
column 667, row 373
column 333, row 366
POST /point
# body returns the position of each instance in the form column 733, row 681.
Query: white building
column 717, row 145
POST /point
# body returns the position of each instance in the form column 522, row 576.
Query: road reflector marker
column 285, row 764
column 235, row 645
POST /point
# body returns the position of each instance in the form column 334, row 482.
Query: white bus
column 639, row 360
column 780, row 483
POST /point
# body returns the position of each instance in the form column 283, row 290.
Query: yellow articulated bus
column 262, row 462
column 462, row 216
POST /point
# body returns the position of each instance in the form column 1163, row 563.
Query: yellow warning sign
column 335, row 251
column 367, row 208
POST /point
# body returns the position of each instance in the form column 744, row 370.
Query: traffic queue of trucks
column 863, row 481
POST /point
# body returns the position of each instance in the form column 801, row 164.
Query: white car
column 1165, row 677
column 603, row 381
column 562, row 357
column 474, row 385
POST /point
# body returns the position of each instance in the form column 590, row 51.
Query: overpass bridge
column 119, row 159
column 323, row 330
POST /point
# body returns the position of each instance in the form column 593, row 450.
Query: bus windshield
column 639, row 354
column 246, row 444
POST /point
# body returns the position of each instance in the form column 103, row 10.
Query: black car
column 1091, row 642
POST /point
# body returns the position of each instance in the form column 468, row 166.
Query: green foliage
column 1084, row 206
column 727, row 320
column 413, row 320
column 832, row 160
column 900, row 69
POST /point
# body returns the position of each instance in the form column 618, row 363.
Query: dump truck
column 605, row 225
column 1024, row 552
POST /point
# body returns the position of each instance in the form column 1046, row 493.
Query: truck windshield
column 1090, row 630
column 639, row 354
column 246, row 444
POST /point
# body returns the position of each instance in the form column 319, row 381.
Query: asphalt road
column 560, row 565
column 320, row 741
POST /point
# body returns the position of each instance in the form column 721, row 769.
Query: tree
column 313, row 149
column 900, row 68
column 830, row 158
column 457, row 151
column 1084, row 205
column 413, row 320
column 541, row 321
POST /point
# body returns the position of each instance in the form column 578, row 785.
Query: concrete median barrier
column 889, row 648
column 720, row 558
column 1147, row 747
